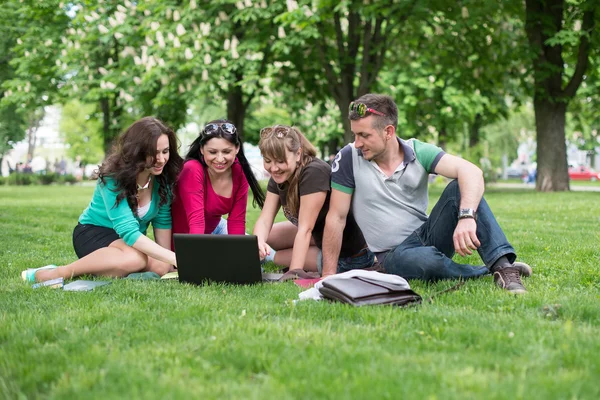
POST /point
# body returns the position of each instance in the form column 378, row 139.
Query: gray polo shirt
column 387, row 209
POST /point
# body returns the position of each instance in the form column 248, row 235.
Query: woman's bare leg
column 282, row 236
column 159, row 267
column 284, row 257
column 281, row 239
column 116, row 260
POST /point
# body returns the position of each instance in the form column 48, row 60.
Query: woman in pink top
column 214, row 182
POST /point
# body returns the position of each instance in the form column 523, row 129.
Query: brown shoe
column 509, row 278
column 524, row 269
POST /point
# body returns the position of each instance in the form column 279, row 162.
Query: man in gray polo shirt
column 384, row 179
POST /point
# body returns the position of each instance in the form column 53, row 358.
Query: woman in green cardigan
column 134, row 189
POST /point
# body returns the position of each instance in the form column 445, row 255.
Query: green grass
column 152, row 339
column 571, row 183
column 585, row 183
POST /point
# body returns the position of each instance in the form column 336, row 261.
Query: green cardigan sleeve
column 121, row 216
column 163, row 218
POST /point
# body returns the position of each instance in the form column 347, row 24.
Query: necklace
column 139, row 187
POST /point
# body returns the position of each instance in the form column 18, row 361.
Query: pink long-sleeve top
column 198, row 209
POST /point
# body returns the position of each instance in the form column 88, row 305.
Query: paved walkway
column 510, row 185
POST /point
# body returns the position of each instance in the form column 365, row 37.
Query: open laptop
column 219, row 258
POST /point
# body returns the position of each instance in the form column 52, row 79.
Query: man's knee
column 416, row 263
column 405, row 263
column 452, row 188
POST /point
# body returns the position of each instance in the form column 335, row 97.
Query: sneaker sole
column 517, row 291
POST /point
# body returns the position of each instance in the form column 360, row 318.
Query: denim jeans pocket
column 360, row 262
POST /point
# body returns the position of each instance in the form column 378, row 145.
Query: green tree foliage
column 453, row 67
column 217, row 50
column 12, row 123
column 27, row 65
column 82, row 132
column 456, row 74
column 337, row 49
column 33, row 56
column 561, row 35
column 99, row 72
column 504, row 135
column 12, row 128
column 583, row 119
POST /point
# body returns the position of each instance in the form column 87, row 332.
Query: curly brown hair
column 129, row 157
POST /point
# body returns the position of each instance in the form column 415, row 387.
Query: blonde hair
column 274, row 141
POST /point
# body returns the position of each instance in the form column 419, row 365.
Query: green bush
column 68, row 178
column 48, row 178
column 20, row 178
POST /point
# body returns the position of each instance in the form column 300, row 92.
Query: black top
column 314, row 178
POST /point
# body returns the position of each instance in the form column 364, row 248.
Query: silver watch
column 467, row 213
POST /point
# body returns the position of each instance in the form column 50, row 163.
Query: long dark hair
column 234, row 138
column 274, row 141
column 129, row 157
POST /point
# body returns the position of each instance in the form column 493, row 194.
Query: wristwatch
column 467, row 213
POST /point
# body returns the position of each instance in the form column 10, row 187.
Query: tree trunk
column 236, row 109
column 552, row 169
column 474, row 132
column 110, row 131
column 107, row 140
column 348, row 135
column 332, row 146
column 544, row 21
column 31, row 141
column 35, row 120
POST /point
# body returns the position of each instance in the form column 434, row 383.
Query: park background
column 479, row 78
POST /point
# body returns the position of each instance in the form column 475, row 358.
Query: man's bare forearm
column 471, row 186
column 332, row 243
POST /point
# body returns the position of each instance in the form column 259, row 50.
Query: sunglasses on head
column 213, row 129
column 277, row 130
column 361, row 110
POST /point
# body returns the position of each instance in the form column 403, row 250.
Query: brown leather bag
column 362, row 291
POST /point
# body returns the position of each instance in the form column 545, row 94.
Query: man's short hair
column 382, row 103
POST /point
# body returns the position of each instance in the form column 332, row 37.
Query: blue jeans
column 363, row 259
column 427, row 253
column 221, row 229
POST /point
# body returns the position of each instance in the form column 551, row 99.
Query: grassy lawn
column 571, row 183
column 153, row 339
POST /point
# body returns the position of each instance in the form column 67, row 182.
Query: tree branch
column 339, row 38
column 583, row 54
column 366, row 59
column 533, row 27
column 332, row 80
column 384, row 39
column 353, row 34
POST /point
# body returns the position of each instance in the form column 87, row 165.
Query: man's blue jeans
column 427, row 253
